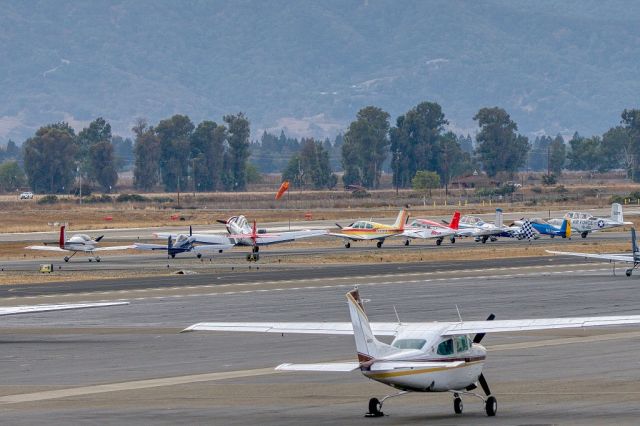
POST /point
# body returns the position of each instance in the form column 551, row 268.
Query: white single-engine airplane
column 584, row 223
column 633, row 257
column 240, row 233
column 423, row 357
column 79, row 243
column 428, row 229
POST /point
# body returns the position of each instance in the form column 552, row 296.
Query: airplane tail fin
column 616, row 213
column 367, row 346
column 499, row 221
column 401, row 220
column 634, row 246
column 565, row 229
column 62, row 239
column 97, row 240
column 455, row 220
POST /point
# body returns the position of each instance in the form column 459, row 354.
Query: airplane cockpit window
column 445, row 348
column 369, row 226
column 358, row 225
column 409, row 343
column 181, row 238
column 462, row 343
column 85, row 237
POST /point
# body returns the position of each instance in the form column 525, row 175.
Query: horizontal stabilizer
column 328, row 367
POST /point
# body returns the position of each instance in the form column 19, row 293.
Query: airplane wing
column 14, row 310
column 380, row 329
column 611, row 257
column 282, row 237
column 113, row 248
column 198, row 238
column 500, row 326
column 360, row 237
column 142, row 246
column 47, row 248
column 327, row 367
column 212, row 248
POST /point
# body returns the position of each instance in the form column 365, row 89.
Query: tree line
column 178, row 155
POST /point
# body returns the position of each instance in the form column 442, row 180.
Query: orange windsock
column 282, row 190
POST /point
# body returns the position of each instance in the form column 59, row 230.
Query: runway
column 129, row 364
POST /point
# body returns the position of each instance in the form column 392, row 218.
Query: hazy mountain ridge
column 554, row 66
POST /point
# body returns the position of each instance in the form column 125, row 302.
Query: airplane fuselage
column 429, row 378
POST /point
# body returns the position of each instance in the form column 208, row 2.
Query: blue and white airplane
column 543, row 227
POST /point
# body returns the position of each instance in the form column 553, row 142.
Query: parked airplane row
column 241, row 233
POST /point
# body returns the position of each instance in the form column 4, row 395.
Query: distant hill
column 310, row 65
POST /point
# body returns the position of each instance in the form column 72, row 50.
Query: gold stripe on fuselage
column 420, row 371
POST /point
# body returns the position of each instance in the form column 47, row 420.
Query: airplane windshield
column 462, row 343
column 409, row 343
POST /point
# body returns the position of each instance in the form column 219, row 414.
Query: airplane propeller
column 224, row 222
column 478, row 337
column 97, row 240
column 338, row 225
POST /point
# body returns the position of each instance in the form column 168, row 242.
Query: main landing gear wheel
column 457, row 404
column 628, row 272
column 66, row 258
column 90, row 260
column 406, row 242
column 379, row 244
column 97, row 258
column 491, row 406
column 199, row 255
column 584, row 234
column 438, row 242
column 255, row 249
column 374, row 408
column 347, row 245
column 453, row 240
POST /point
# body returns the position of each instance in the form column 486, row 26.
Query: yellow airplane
column 368, row 230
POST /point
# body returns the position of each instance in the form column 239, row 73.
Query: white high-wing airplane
column 423, row 357
column 633, row 257
column 30, row 309
column 79, row 243
column 240, row 233
column 182, row 243
column 584, row 223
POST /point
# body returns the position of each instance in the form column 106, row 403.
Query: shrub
column 103, row 198
column 548, row 180
column 124, row 198
column 48, row 199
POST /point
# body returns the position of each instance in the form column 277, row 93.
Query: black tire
column 453, row 240
column 584, row 234
column 173, row 255
column 374, row 408
column 438, row 242
column 66, row 258
column 628, row 272
column 90, row 260
column 248, row 257
column 199, row 255
column 379, row 244
column 457, row 405
column 97, row 259
column 484, row 241
column 406, row 242
column 491, row 406
column 347, row 245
